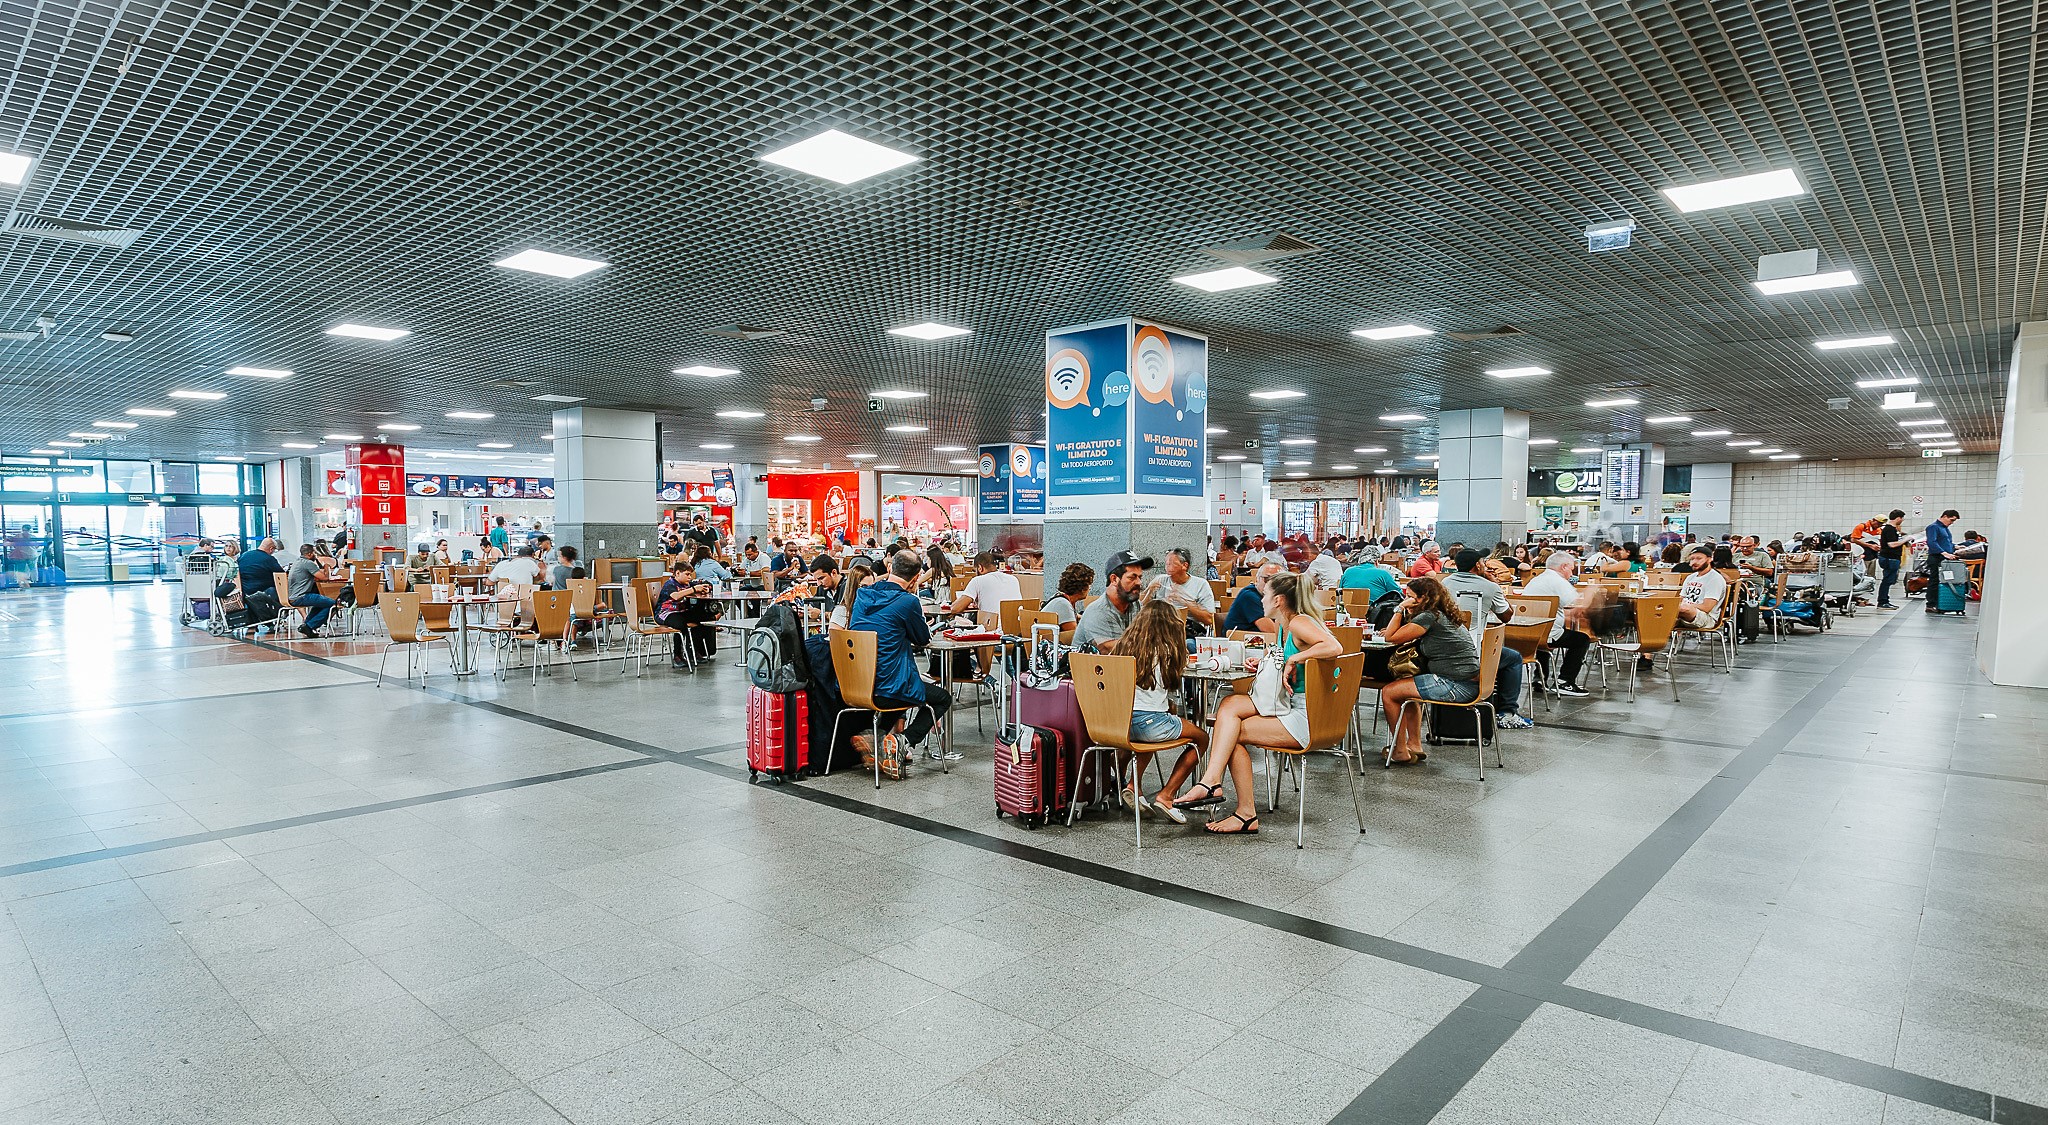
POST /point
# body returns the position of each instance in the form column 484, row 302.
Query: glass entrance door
column 26, row 546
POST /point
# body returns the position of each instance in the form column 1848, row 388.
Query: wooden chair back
column 401, row 611
column 1490, row 644
column 1221, row 589
column 1357, row 603
column 367, row 584
column 583, row 598
column 442, row 575
column 1009, row 614
column 1656, row 619
column 551, row 610
column 1330, row 692
column 1105, row 686
column 1032, row 618
column 1351, row 637
column 1533, row 605
column 636, row 608
column 853, row 661
column 649, row 589
column 1663, row 579
column 436, row 616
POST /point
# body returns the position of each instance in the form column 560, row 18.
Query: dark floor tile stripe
column 1422, row 1081
column 1952, row 772
column 113, row 708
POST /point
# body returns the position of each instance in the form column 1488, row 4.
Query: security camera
column 818, row 403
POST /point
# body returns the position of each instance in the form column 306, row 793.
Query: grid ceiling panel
column 296, row 165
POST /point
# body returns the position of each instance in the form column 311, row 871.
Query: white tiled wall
column 1776, row 500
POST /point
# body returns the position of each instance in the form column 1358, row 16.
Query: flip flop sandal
column 1246, row 827
column 1214, row 796
column 1166, row 809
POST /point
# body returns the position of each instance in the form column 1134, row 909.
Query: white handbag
column 1269, row 688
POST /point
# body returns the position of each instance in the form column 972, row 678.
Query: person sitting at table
column 565, row 568
column 422, row 561
column 1178, row 586
column 938, row 571
column 1507, row 682
column 489, row 553
column 1291, row 603
column 1567, row 632
column 708, row 569
column 521, row 569
column 1431, row 561
column 990, row 587
column 1632, row 554
column 889, row 608
column 683, row 604
column 1248, row 609
column 1156, row 642
column 1367, row 574
column 1108, row 616
column 1065, row 603
column 1700, row 598
column 441, row 556
column 301, row 584
column 1430, row 617
column 753, row 567
column 858, row 574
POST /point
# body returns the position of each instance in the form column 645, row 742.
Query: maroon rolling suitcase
column 778, row 734
column 1056, row 709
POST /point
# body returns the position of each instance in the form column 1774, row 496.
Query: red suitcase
column 778, row 734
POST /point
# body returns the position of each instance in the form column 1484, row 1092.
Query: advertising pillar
column 375, row 479
column 1010, row 490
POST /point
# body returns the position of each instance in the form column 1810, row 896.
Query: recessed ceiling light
column 1895, row 381
column 553, row 265
column 47, row 452
column 1342, row 468
column 90, row 435
column 1712, row 433
column 1604, row 403
column 200, row 396
column 1835, row 279
column 839, row 157
column 1516, row 372
column 908, row 428
column 929, row 330
column 1784, row 457
column 1394, row 332
column 949, row 449
column 1230, row 456
column 716, row 445
column 344, row 437
column 1370, row 449
column 1401, row 417
column 105, row 425
column 402, row 427
column 789, row 461
column 1762, row 451
column 368, row 332
column 1383, row 472
column 1229, row 277
column 1279, row 394
column 1925, row 439
column 230, row 457
column 1297, row 462
column 706, row 370
column 1904, row 400
column 1217, row 430
column 738, row 413
column 1736, row 190
column 961, row 461
column 14, row 167
column 1853, row 342
column 1739, row 442
column 1585, row 449
column 68, row 444
column 150, row 412
column 1910, row 423
column 116, row 336
column 1430, row 457
column 860, row 456
column 898, row 394
column 1542, row 441
column 261, row 372
column 888, row 466
column 1298, row 441
column 558, row 398
column 298, row 445
column 547, row 437
column 471, row 415
column 803, row 439
column 1668, row 419
column 1297, row 474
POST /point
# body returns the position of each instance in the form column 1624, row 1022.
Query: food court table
column 458, row 606
column 946, row 646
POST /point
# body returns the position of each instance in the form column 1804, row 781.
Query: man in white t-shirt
column 1554, row 581
column 521, row 569
column 989, row 588
column 1182, row 587
column 1699, row 599
column 1326, row 570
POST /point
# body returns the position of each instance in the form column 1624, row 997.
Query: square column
column 1631, row 493
column 607, row 471
column 1713, row 496
column 2015, row 607
column 1482, row 473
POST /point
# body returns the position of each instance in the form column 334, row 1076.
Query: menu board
column 1623, row 470
column 480, row 488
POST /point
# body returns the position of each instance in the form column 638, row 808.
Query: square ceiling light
column 839, row 157
column 368, row 332
column 1736, row 190
column 553, row 265
column 261, row 372
column 1394, row 332
column 1904, row 400
column 929, row 330
column 1854, row 342
column 1229, row 277
column 14, row 167
column 707, row 371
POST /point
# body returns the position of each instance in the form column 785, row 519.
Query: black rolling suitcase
column 1458, row 724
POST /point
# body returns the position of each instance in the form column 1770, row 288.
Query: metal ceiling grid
column 295, row 165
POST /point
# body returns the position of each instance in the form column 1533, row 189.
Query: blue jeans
column 1891, row 575
column 1439, row 689
column 1507, row 682
column 317, row 607
column 1154, row 726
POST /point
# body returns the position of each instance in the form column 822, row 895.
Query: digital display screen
column 1623, row 470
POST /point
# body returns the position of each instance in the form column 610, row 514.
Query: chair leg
column 1352, row 781
column 1080, row 771
column 380, row 665
column 833, row 743
column 1137, row 810
column 1300, row 802
column 875, row 740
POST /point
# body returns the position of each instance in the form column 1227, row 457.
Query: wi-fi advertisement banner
column 1027, row 480
column 1087, row 421
column 992, row 480
column 1169, row 422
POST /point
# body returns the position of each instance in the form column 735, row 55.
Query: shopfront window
column 220, row 480
column 130, row 476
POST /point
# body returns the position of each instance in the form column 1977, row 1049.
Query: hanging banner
column 1169, row 421
column 1087, row 421
column 1027, row 480
column 992, row 479
column 723, row 493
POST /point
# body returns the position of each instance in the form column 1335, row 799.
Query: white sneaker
column 1514, row 721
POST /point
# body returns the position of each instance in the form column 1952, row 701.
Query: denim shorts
column 1437, row 689
column 1154, row 726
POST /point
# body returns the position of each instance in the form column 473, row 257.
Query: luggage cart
column 1838, row 581
column 196, row 601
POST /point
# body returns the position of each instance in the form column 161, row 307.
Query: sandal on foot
column 1244, row 828
column 1212, row 796
column 1165, row 808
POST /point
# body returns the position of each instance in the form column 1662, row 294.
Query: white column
column 2015, row 606
column 607, row 468
column 1482, row 476
column 1713, row 496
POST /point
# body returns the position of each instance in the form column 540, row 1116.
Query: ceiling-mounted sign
column 1565, row 482
column 1343, row 489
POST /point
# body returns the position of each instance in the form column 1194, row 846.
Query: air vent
column 1263, row 248
column 745, row 332
column 1839, row 403
column 516, row 383
column 1504, row 332
column 64, row 230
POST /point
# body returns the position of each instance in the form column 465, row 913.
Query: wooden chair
column 368, row 585
column 443, row 575
column 584, row 608
column 1656, row 618
column 1489, row 668
column 1330, row 692
column 1661, row 579
column 1221, row 589
column 853, row 661
column 1533, row 641
column 638, row 630
column 552, row 620
column 1357, row 603
column 1007, row 612
column 401, row 613
column 1105, row 687
column 1348, row 636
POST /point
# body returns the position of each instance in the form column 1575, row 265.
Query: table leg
column 946, row 720
column 459, row 661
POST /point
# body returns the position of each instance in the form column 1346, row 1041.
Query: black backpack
column 775, row 651
column 1382, row 611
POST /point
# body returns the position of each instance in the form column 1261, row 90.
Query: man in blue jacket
column 1940, row 545
column 889, row 609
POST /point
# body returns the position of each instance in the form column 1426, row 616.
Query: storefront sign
column 1344, row 489
column 1565, row 482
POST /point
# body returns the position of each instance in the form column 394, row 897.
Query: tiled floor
column 245, row 885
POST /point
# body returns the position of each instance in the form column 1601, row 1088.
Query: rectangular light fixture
column 1913, row 423
column 344, row 437
column 1585, row 449
column 1394, row 332
column 1401, row 417
column 898, row 395
column 68, row 444
column 803, row 439
column 1215, row 430
column 860, row 457
column 1383, row 472
column 297, row 445
column 1229, row 277
column 1740, row 442
column 47, row 452
column 553, row 265
column 1516, row 372
column 150, row 412
column 200, row 396
column 1712, row 433
column 949, row 449
column 1765, row 450
column 1737, row 190
column 1342, row 468
column 716, row 445
column 1298, row 441
column 1370, row 449
column 398, row 427
column 558, row 398
column 229, row 457
column 1784, row 457
column 789, row 461
column 14, row 167
column 1667, row 420
column 735, row 412
column 1604, row 403
column 1296, row 474
column 106, row 425
column 1854, row 342
column 1271, row 396
column 908, row 428
column 706, row 370
column 261, row 372
column 368, row 332
column 929, row 330
column 1230, row 456
column 1904, row 400
column 1297, row 462
column 471, row 415
column 1896, row 381
column 494, row 445
column 1834, row 279
column 1542, row 441
column 1925, row 439
column 89, row 435
column 839, row 157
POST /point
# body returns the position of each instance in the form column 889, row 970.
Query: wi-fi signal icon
column 1152, row 365
column 1066, row 379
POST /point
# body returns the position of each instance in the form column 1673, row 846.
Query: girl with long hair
column 1290, row 602
column 857, row 575
column 1157, row 642
column 1430, row 617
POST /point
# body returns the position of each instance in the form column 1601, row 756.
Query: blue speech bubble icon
column 1116, row 388
column 1198, row 389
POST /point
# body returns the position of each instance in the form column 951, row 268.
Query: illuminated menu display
column 1624, row 474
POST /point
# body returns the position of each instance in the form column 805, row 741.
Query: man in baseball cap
column 1106, row 618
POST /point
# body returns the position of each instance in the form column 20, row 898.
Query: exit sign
column 1930, row 453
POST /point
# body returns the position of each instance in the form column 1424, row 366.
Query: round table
column 459, row 661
